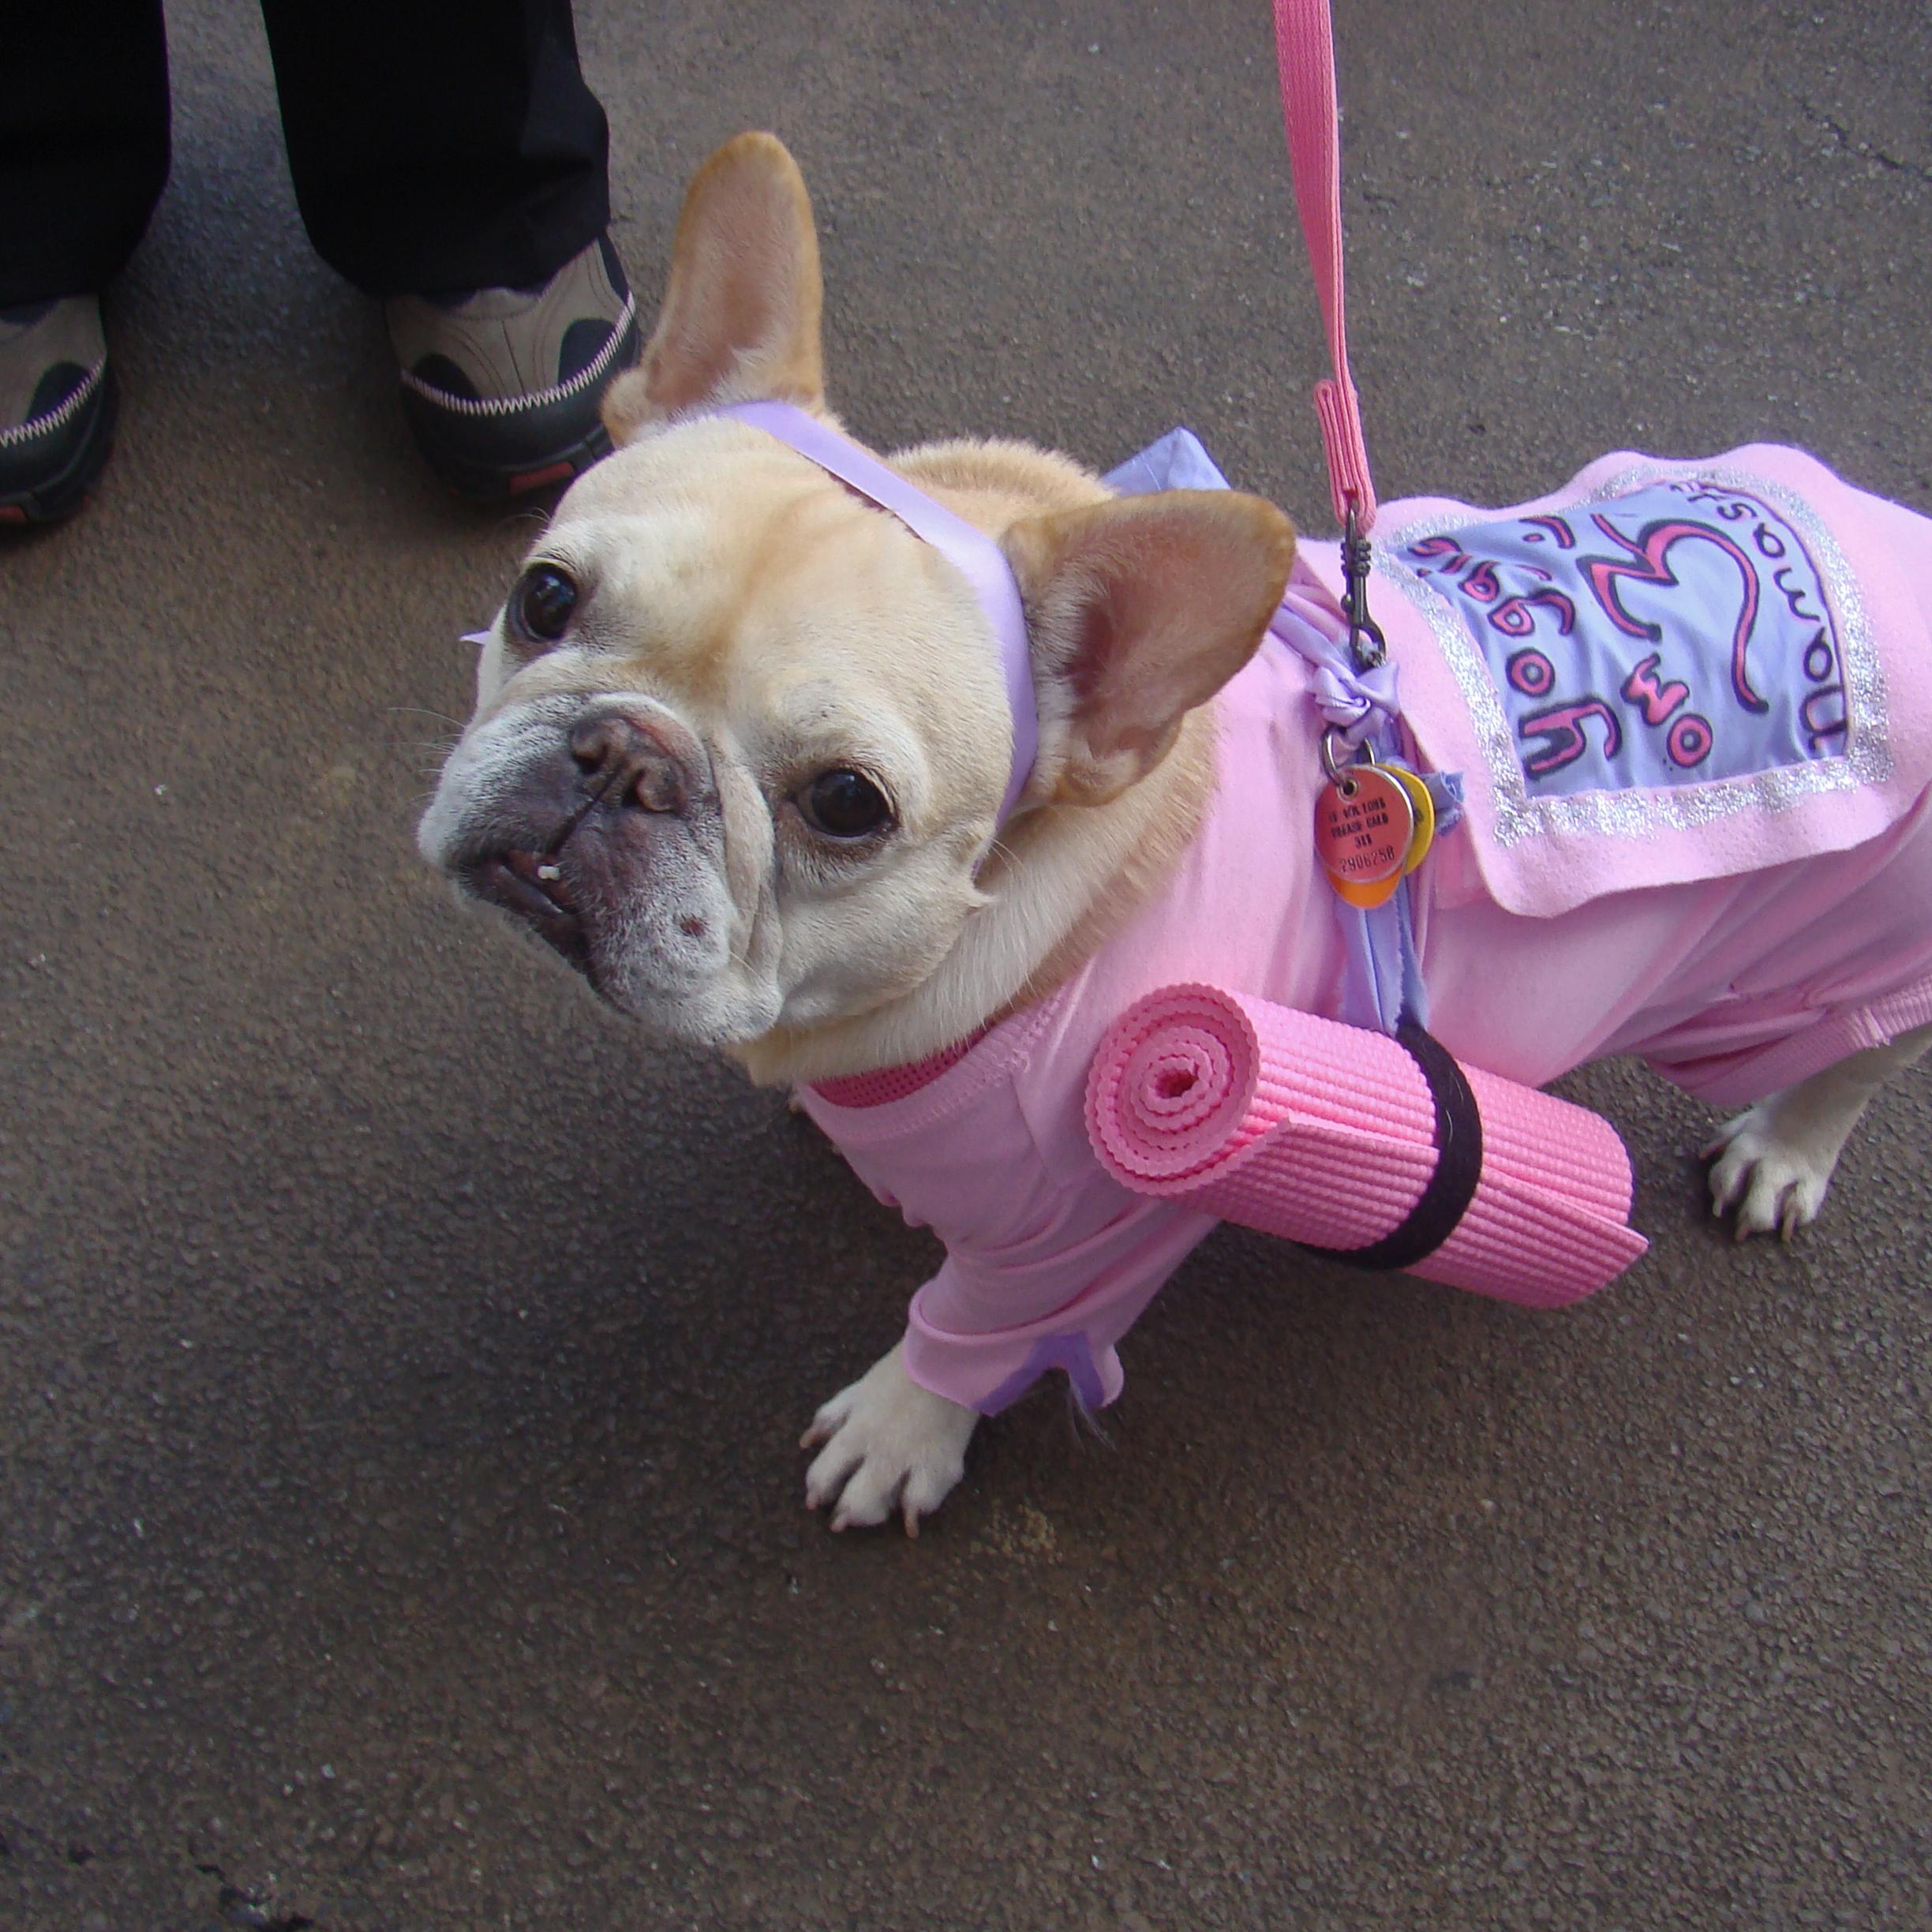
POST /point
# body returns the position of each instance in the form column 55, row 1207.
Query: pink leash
column 1304, row 50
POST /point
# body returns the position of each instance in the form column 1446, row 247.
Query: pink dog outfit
column 1689, row 705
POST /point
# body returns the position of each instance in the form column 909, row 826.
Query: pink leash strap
column 1305, row 50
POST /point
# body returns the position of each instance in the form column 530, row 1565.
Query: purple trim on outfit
column 1073, row 1353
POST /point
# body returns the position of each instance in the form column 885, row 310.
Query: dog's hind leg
column 1774, row 1163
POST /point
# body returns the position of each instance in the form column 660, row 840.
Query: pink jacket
column 1689, row 704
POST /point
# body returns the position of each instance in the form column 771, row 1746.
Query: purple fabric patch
column 1073, row 1353
column 1671, row 636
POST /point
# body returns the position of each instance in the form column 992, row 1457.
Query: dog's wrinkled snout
column 628, row 762
column 603, row 839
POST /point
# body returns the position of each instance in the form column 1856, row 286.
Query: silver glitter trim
column 1866, row 759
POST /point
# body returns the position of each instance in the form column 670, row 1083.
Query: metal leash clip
column 1368, row 648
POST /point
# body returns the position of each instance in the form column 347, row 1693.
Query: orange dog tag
column 1367, row 898
column 1363, row 823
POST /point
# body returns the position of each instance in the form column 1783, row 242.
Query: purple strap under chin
column 972, row 552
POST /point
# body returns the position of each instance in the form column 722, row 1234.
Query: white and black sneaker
column 57, row 408
column 500, row 387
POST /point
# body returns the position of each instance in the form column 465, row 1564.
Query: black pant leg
column 83, row 140
column 440, row 144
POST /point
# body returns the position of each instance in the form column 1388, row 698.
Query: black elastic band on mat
column 1458, row 1163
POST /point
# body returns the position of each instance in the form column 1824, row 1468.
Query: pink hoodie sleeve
column 989, row 1324
column 1048, row 1260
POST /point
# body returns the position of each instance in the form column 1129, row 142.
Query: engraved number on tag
column 1363, row 823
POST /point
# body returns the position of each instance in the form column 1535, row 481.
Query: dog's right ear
column 740, row 321
column 1137, row 611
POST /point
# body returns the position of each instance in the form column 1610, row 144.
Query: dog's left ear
column 741, row 320
column 1137, row 611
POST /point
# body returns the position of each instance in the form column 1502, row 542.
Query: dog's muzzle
column 578, row 842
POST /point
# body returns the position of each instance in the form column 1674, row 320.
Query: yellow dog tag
column 1424, row 807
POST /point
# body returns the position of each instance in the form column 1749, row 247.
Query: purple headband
column 972, row 552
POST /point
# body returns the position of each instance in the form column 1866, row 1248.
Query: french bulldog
column 741, row 751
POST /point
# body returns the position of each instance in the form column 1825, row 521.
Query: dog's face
column 739, row 744
column 741, row 738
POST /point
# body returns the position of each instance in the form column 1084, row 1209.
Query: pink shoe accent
column 541, row 479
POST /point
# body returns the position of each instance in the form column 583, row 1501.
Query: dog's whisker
column 1084, row 1423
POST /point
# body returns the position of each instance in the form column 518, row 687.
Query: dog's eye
column 543, row 603
column 844, row 804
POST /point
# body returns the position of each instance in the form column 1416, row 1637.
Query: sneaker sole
column 56, row 498
column 481, row 482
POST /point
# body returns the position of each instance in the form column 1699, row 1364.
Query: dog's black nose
column 628, row 763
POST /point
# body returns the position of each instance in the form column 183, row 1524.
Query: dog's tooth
column 548, row 872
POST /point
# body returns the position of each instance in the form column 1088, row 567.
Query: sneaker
column 501, row 386
column 57, row 408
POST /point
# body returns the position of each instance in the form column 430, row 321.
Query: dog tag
column 1424, row 807
column 1364, row 824
column 1367, row 898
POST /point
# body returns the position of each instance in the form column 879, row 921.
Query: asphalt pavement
column 402, row 1360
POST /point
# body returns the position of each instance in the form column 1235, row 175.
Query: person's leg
column 439, row 146
column 448, row 157
column 84, row 153
column 83, row 142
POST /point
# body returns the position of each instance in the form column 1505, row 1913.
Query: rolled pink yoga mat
column 1325, row 1134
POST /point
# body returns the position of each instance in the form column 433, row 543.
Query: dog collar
column 973, row 553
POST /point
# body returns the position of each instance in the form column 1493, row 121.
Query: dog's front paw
column 888, row 1444
column 1773, row 1178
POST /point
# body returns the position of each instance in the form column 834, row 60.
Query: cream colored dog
column 739, row 743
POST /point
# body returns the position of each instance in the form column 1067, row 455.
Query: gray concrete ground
column 400, row 1360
